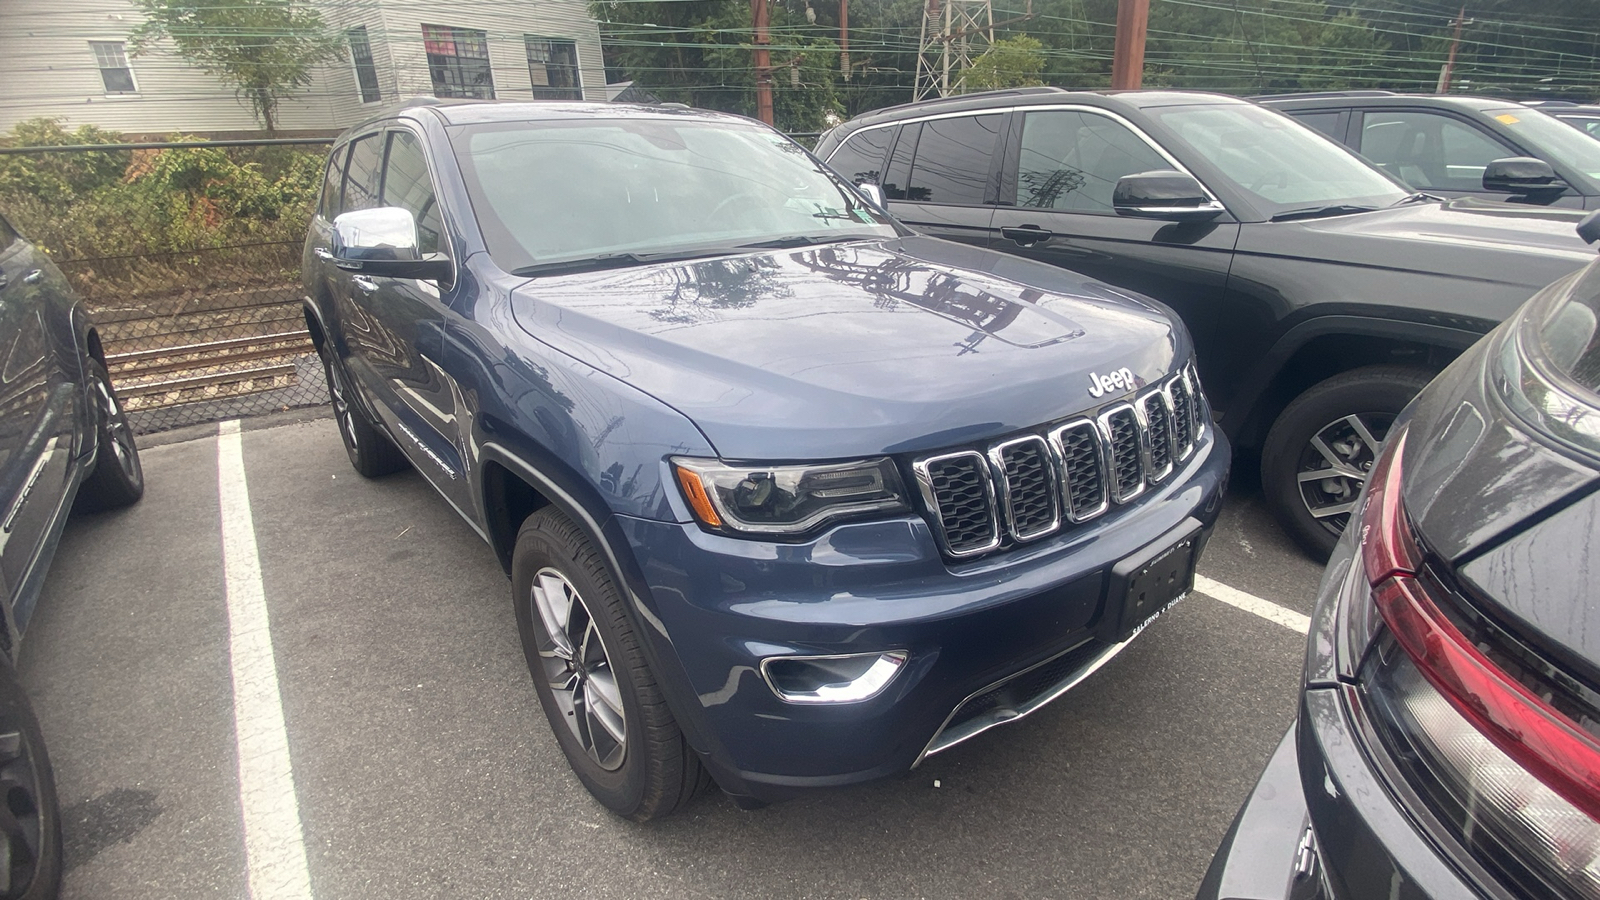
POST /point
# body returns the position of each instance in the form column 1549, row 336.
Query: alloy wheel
column 342, row 411
column 578, row 670
column 21, row 820
column 1335, row 463
column 117, row 427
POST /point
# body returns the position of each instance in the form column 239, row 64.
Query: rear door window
column 361, row 181
column 1073, row 160
column 860, row 158
column 952, row 160
column 1430, row 150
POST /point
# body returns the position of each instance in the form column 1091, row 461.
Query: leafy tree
column 1009, row 62
column 265, row 48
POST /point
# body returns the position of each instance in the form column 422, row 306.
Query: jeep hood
column 843, row 350
column 1508, row 244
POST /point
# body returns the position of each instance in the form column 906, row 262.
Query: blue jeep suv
column 789, row 496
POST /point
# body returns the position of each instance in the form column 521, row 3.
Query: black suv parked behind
column 1455, row 146
column 787, row 494
column 1447, row 743
column 1321, row 294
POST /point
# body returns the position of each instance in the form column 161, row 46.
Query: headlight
column 787, row 500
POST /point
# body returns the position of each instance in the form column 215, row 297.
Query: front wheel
column 603, row 703
column 1320, row 449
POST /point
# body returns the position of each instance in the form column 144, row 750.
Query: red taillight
column 1387, row 547
column 1539, row 738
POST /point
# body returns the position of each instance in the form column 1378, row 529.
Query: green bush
column 137, row 223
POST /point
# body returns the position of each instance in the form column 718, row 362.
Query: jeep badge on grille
column 1121, row 380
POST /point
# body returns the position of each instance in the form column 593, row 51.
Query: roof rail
column 1317, row 95
column 955, row 98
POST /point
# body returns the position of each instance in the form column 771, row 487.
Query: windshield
column 1280, row 163
column 547, row 192
column 1558, row 141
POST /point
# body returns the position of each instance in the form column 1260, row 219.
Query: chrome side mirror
column 873, row 193
column 383, row 242
column 385, row 233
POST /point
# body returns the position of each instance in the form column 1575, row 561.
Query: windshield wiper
column 1318, row 212
column 1418, row 197
column 804, row 240
column 612, row 261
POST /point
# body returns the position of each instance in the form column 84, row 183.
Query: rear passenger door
column 1055, row 206
column 942, row 174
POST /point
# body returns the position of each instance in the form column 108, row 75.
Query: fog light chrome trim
column 865, row 686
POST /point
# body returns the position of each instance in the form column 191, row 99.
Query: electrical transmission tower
column 954, row 32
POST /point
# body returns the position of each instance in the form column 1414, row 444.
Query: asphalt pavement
column 423, row 767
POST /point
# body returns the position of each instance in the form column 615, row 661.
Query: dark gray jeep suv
column 1321, row 293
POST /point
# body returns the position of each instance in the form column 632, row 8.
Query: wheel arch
column 1321, row 348
column 526, row 488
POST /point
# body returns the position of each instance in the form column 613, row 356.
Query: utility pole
column 1450, row 64
column 1127, row 63
column 758, row 15
column 844, row 39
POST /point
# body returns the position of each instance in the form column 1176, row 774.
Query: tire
column 30, row 815
column 371, row 451
column 117, row 479
column 1313, row 510
column 651, row 771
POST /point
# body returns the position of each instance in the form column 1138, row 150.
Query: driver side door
column 1055, row 206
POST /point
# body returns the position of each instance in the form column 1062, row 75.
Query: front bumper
column 716, row 606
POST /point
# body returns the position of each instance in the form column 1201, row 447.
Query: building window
column 553, row 68
column 112, row 58
column 366, row 69
column 458, row 62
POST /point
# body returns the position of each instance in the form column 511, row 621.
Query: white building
column 69, row 59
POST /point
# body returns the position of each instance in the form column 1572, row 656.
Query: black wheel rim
column 117, row 429
column 578, row 670
column 342, row 411
column 21, row 818
column 1334, row 465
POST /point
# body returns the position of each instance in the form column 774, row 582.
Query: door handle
column 1027, row 235
column 366, row 284
column 322, row 252
column 34, row 277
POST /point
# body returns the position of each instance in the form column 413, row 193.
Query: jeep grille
column 1026, row 487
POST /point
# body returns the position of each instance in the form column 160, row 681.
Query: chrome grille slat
column 1028, row 494
column 1182, row 406
column 1120, row 429
column 1026, row 487
column 1083, row 466
column 959, row 489
column 1157, row 416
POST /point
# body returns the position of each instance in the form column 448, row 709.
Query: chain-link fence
column 188, row 257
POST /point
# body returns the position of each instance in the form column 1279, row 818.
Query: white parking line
column 274, row 847
column 1250, row 603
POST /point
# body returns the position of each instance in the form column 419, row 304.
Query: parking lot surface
column 423, row 767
